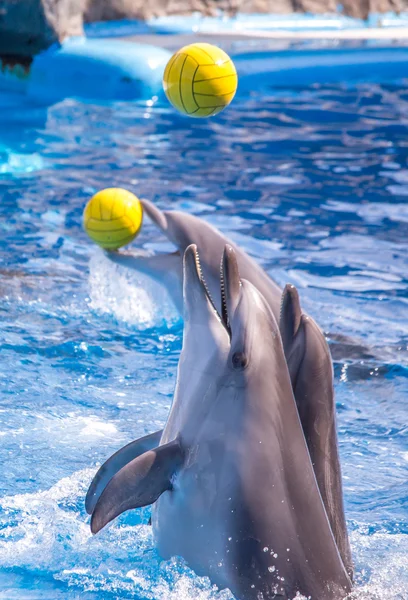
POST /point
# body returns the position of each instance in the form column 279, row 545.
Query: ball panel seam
column 213, row 78
column 106, row 241
column 168, row 90
column 215, row 95
column 192, row 90
column 180, row 82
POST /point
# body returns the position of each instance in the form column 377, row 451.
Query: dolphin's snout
column 230, row 285
column 154, row 214
column 195, row 289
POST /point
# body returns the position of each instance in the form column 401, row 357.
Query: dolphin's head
column 230, row 357
column 238, row 335
column 254, row 333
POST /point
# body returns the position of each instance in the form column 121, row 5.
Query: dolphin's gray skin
column 319, row 427
column 232, row 482
column 310, row 367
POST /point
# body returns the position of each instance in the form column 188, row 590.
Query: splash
column 47, row 532
column 382, row 565
column 128, row 296
column 16, row 163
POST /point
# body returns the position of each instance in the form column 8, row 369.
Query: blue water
column 314, row 185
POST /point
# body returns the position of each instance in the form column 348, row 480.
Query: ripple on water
column 312, row 183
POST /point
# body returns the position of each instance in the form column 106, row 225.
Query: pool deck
column 266, row 39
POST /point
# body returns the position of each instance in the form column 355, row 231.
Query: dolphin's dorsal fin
column 310, row 368
column 115, row 463
column 139, row 483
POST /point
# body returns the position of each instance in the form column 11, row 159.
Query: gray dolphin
column 311, row 372
column 232, row 482
column 312, row 384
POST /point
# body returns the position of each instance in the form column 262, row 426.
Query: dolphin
column 313, row 388
column 183, row 229
column 311, row 373
column 231, row 482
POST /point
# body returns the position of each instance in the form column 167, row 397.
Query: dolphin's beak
column 197, row 297
column 230, row 285
column 196, row 290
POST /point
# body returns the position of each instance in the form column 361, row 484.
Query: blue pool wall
column 106, row 69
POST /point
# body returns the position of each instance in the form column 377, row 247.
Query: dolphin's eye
column 239, row 361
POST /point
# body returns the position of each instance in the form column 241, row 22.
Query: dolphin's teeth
column 203, row 281
column 281, row 307
column 224, row 308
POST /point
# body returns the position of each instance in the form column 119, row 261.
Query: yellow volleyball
column 113, row 218
column 200, row 80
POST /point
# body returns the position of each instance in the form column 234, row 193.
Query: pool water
column 314, row 184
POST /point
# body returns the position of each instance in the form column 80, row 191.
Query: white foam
column 46, row 531
column 84, row 429
column 96, row 428
column 276, row 180
column 382, row 565
column 39, row 524
column 21, row 163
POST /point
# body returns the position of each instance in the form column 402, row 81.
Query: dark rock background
column 102, row 10
column 30, row 26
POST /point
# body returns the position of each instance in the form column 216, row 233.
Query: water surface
column 313, row 183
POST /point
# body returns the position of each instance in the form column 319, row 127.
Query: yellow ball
column 113, row 218
column 200, row 80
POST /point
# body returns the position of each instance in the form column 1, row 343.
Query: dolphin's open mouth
column 202, row 279
column 224, row 307
column 229, row 282
column 203, row 282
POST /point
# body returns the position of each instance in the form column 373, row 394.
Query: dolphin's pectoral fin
column 115, row 463
column 138, row 484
